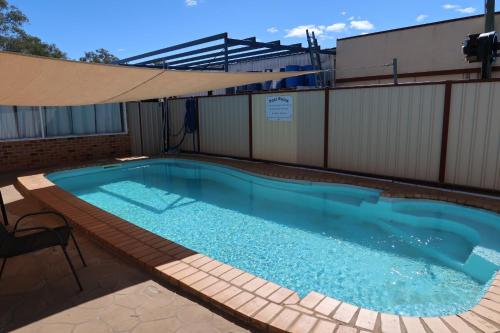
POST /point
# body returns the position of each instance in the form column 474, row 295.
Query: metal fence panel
column 390, row 131
column 224, row 125
column 473, row 156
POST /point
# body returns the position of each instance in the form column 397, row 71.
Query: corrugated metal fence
column 224, row 125
column 298, row 141
column 145, row 125
column 446, row 132
column 390, row 131
column 473, row 157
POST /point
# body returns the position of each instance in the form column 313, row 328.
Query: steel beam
column 232, row 58
column 232, row 50
column 183, row 54
column 235, row 42
column 210, row 56
column 185, row 68
column 261, row 57
column 182, row 68
column 173, row 48
column 226, row 56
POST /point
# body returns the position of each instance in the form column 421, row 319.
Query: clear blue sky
column 129, row 27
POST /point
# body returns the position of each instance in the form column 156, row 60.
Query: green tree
column 102, row 56
column 13, row 38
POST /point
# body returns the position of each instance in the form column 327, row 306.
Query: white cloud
column 120, row 50
column 362, row 25
column 457, row 8
column 343, row 13
column 350, row 18
column 321, row 31
column 191, row 3
column 467, row 10
column 421, row 17
column 336, row 27
column 272, row 30
column 300, row 31
column 328, row 31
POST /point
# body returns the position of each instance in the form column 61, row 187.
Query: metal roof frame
column 230, row 50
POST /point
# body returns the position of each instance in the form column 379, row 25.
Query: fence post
column 198, row 123
column 444, row 132
column 250, row 127
column 325, row 128
column 139, row 104
column 167, row 124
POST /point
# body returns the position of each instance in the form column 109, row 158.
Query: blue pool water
column 410, row 257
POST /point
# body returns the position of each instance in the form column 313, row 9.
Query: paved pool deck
column 38, row 292
column 261, row 304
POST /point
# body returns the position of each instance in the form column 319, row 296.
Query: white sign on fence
column 279, row 108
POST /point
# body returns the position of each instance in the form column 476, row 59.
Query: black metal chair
column 40, row 237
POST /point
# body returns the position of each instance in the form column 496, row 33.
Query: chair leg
column 3, row 266
column 72, row 268
column 78, row 249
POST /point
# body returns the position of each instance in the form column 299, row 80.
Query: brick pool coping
column 263, row 304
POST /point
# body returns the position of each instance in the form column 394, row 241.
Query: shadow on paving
column 38, row 293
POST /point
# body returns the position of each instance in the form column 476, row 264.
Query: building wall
column 427, row 48
column 35, row 154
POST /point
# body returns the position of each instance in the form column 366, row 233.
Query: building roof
column 417, row 26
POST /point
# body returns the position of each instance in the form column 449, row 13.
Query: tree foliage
column 13, row 38
column 101, row 55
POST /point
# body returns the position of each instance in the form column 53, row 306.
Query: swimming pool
column 409, row 257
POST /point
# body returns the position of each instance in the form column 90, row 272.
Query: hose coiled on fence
column 190, row 124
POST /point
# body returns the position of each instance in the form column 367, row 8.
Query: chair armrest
column 41, row 213
column 39, row 228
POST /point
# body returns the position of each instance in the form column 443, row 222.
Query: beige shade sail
column 38, row 81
